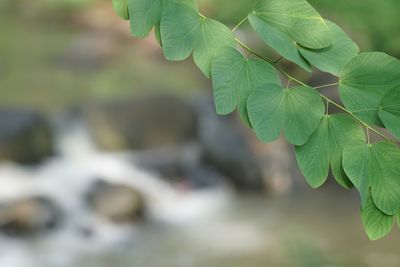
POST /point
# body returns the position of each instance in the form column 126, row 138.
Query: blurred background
column 112, row 156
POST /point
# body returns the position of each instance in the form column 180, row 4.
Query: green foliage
column 297, row 112
column 298, row 20
column 398, row 219
column 377, row 224
column 369, row 86
column 279, row 41
column 389, row 110
column 375, row 166
column 121, row 8
column 234, row 77
column 146, row 14
column 364, row 80
column 334, row 58
column 325, row 147
column 184, row 30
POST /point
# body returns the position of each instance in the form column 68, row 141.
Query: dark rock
column 115, row 202
column 180, row 166
column 25, row 137
column 29, row 216
column 279, row 166
column 146, row 122
column 225, row 146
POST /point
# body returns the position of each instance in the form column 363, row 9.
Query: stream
column 210, row 227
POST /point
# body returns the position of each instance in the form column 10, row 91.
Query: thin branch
column 239, row 24
column 277, row 60
column 326, row 85
column 288, row 83
column 368, row 127
column 327, row 108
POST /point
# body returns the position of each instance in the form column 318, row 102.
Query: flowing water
column 213, row 228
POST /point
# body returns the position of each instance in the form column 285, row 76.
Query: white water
column 66, row 178
column 185, row 228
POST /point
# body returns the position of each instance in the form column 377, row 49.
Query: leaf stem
column 288, row 83
column 277, row 60
column 239, row 24
column 368, row 127
column 326, row 85
column 327, row 107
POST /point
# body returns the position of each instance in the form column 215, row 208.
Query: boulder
column 226, row 147
column 116, row 203
column 181, row 166
column 25, row 136
column 28, row 216
column 147, row 122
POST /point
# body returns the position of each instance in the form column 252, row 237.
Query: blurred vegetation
column 37, row 37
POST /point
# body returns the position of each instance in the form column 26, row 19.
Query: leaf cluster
column 368, row 84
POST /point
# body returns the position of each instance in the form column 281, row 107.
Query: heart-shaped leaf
column 146, row 14
column 234, row 77
column 376, row 166
column 389, row 111
column 364, row 80
column 297, row 19
column 376, row 223
column 121, row 8
column 279, row 41
column 333, row 58
column 297, row 111
column 324, row 149
column 184, row 30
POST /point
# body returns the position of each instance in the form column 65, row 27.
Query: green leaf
column 157, row 33
column 376, row 223
column 234, row 77
column 398, row 219
column 389, row 111
column 332, row 59
column 183, row 30
column 324, row 149
column 121, row 8
column 338, row 171
column 146, row 14
column 356, row 166
column 279, row 41
column 364, row 80
column 297, row 19
column 296, row 111
column 376, row 165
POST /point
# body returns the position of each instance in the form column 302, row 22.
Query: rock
column 25, row 136
column 146, row 122
column 226, row 146
column 181, row 166
column 28, row 216
column 116, row 203
column 279, row 166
